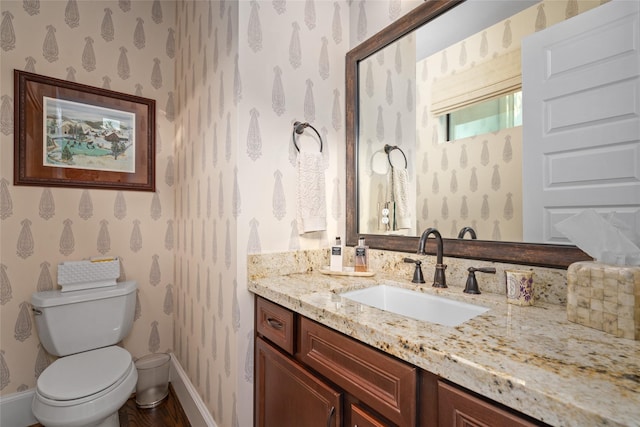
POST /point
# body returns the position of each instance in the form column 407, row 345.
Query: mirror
column 378, row 147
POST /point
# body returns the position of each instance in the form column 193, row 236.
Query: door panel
column 581, row 80
column 289, row 396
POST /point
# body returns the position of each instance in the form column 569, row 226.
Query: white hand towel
column 399, row 186
column 312, row 206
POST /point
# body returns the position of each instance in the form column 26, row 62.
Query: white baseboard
column 190, row 400
column 15, row 409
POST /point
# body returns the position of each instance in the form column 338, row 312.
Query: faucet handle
column 472, row 283
column 417, row 274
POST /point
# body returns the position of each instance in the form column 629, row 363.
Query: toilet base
column 112, row 421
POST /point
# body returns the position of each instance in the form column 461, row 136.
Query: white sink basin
column 417, row 305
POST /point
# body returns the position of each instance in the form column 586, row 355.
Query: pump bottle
column 336, row 255
column 361, row 256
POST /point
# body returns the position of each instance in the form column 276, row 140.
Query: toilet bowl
column 85, row 389
column 93, row 378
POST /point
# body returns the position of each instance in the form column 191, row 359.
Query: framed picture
column 73, row 135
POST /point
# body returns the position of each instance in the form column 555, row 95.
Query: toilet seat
column 84, row 375
column 100, row 408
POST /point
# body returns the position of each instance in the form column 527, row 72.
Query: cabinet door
column 287, row 395
column 457, row 408
column 385, row 384
column 360, row 417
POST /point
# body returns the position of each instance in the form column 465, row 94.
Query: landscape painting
column 69, row 134
column 84, row 136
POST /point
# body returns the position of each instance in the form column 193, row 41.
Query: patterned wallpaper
column 207, row 91
column 127, row 46
column 243, row 72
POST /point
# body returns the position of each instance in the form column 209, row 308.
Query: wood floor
column 168, row 414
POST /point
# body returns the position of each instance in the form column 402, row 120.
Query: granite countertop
column 528, row 358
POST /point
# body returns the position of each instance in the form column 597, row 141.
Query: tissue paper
column 599, row 238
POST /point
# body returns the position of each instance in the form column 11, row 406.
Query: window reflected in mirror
column 485, row 117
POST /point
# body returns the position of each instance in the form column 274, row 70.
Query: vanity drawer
column 376, row 379
column 457, row 407
column 276, row 324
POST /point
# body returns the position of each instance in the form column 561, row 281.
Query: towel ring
column 389, row 148
column 298, row 129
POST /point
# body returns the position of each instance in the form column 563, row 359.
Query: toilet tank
column 77, row 321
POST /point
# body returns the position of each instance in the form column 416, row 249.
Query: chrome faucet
column 439, row 279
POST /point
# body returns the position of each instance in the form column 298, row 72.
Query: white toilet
column 93, row 378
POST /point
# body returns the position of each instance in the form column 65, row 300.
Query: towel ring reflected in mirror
column 298, row 129
column 389, row 149
column 383, row 159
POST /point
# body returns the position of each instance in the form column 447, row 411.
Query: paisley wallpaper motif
column 104, row 44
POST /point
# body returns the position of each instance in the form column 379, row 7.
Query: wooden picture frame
column 73, row 135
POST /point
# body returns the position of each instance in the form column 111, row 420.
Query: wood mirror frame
column 546, row 255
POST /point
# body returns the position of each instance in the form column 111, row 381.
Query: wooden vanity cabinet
column 287, row 394
column 308, row 375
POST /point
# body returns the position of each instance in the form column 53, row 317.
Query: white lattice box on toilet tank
column 605, row 297
column 87, row 274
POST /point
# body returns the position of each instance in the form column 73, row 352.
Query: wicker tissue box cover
column 605, row 297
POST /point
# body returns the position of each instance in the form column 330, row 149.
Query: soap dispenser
column 361, row 256
column 336, row 255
